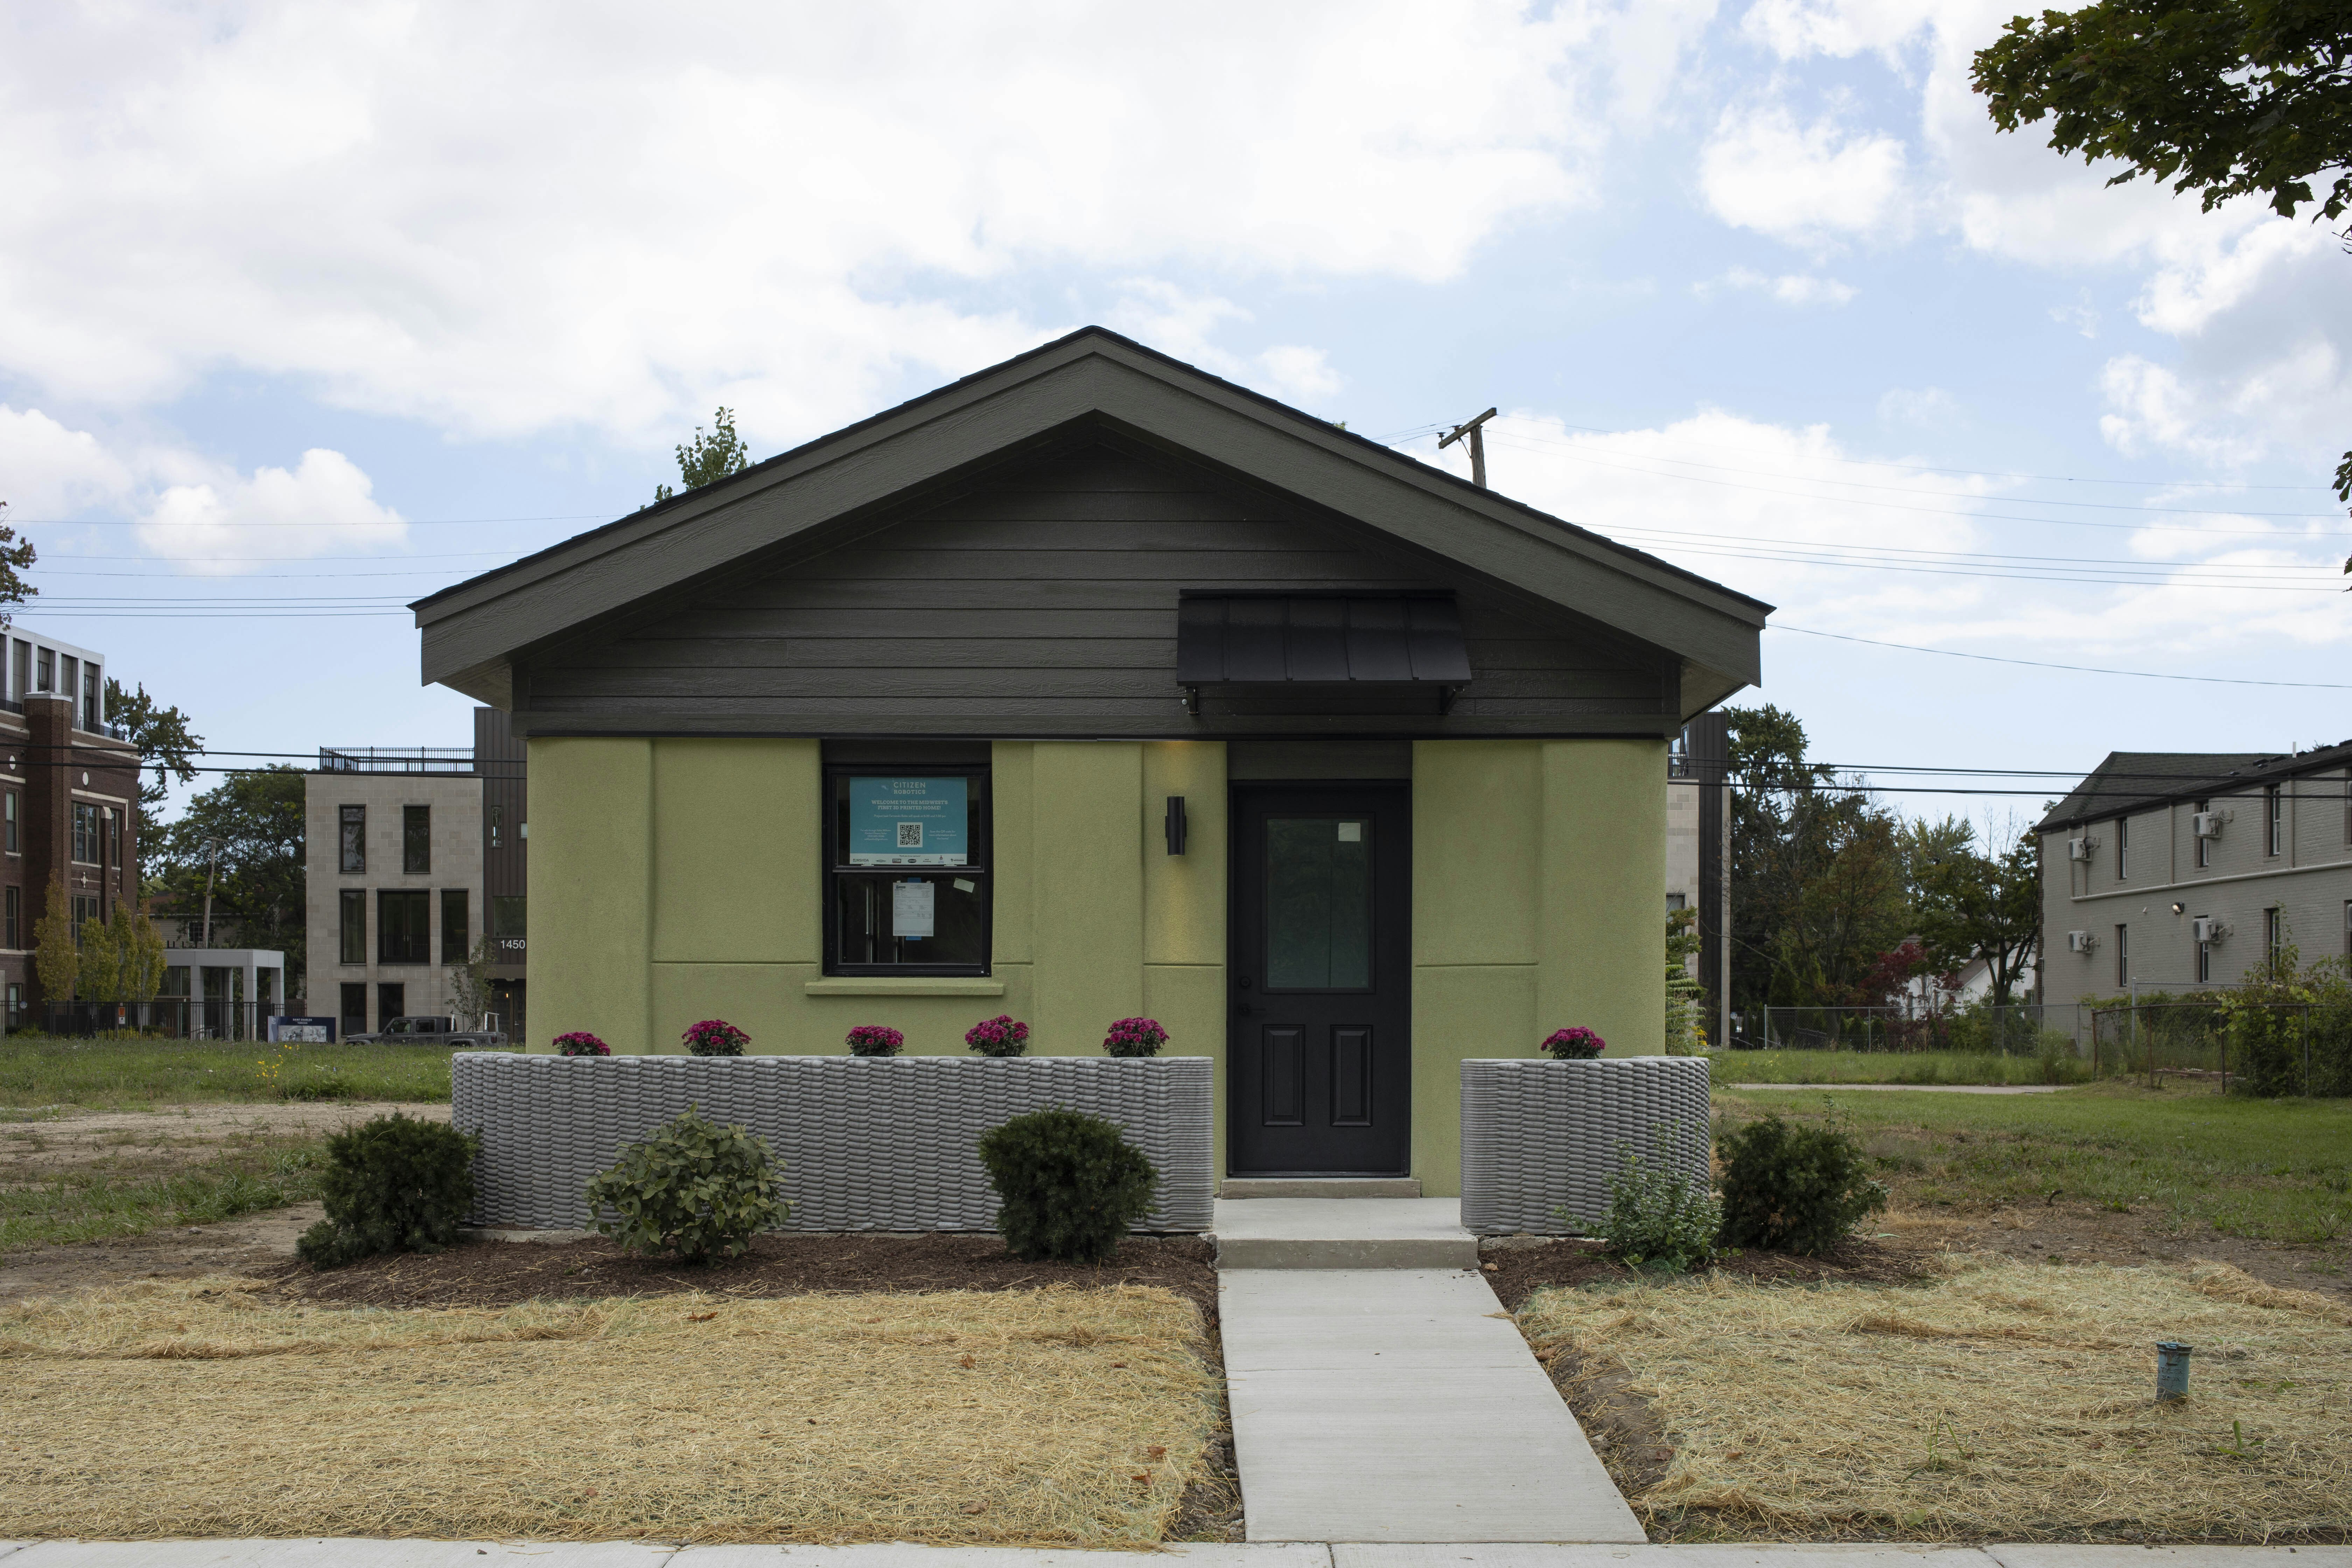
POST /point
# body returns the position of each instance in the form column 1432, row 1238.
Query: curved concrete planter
column 866, row 1142
column 1544, row 1135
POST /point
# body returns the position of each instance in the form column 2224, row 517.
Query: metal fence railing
column 2028, row 1029
column 2268, row 1048
column 166, row 1017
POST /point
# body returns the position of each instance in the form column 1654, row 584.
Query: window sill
column 905, row 986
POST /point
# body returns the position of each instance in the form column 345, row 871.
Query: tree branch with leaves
column 707, row 460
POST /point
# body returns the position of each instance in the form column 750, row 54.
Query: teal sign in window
column 908, row 822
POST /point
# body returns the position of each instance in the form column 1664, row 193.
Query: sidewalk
column 356, row 1553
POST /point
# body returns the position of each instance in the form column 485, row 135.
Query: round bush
column 1576, row 1045
column 694, row 1187
column 1135, row 1037
column 875, row 1040
column 581, row 1045
column 393, row 1185
column 715, row 1037
column 1002, row 1035
column 1794, row 1186
column 1067, row 1185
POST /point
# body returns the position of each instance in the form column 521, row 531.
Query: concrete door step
column 1319, row 1187
column 1343, row 1233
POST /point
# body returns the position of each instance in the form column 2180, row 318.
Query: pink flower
column 581, row 1045
column 1575, row 1044
column 1135, row 1037
column 1002, row 1035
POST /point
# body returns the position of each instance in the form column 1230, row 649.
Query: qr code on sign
column 910, row 836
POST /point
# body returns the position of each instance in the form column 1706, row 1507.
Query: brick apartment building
column 68, row 799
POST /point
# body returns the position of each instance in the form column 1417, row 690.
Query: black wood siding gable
column 1044, row 602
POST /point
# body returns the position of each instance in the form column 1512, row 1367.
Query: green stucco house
column 1088, row 687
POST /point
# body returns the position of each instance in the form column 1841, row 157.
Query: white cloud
column 1298, row 372
column 1810, row 184
column 1793, row 29
column 1928, row 407
column 48, row 472
column 323, row 506
column 1176, row 320
column 1789, row 288
column 507, row 220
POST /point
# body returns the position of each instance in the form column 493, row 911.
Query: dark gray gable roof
column 472, row 630
column 2135, row 780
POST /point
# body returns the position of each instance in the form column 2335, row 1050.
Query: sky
column 309, row 311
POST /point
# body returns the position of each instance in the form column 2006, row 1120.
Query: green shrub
column 1068, row 1185
column 392, row 1186
column 1794, row 1186
column 1658, row 1216
column 694, row 1187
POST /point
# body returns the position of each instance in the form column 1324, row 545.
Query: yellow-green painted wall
column 678, row 880
column 1540, row 869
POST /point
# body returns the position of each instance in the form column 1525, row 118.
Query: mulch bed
column 501, row 1273
column 1519, row 1272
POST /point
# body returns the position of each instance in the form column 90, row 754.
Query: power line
column 2078, row 669
column 394, row 522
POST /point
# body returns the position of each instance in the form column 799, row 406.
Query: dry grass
column 1011, row 1417
column 2006, row 1400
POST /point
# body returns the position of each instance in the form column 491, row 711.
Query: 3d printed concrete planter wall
column 866, row 1142
column 1540, row 1137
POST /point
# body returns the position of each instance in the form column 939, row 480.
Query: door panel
column 1319, row 978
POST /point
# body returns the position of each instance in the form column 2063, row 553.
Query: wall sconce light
column 2180, row 909
column 1175, row 825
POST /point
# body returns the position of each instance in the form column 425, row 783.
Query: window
column 498, row 824
column 390, row 1002
column 22, row 680
column 416, row 840
column 354, row 1007
column 2274, row 931
column 67, row 680
column 2123, row 958
column 2204, row 845
column 1677, row 902
column 44, row 672
column 113, row 826
column 90, row 690
column 16, row 913
column 456, row 935
column 907, row 869
column 86, row 843
column 509, row 916
column 85, row 909
column 2123, row 848
column 12, row 817
column 354, row 927
column 2205, row 956
column 354, row 838
column 401, row 919
column 2274, row 813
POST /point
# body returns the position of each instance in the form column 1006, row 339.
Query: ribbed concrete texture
column 1401, row 1404
column 1319, row 1187
column 1343, row 1233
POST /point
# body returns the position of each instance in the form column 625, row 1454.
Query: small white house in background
column 231, row 991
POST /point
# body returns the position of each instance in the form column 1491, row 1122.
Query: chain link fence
column 2016, row 1029
column 2264, row 1048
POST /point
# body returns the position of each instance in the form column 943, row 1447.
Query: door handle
column 1244, row 1009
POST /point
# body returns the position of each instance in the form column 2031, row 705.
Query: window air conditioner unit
column 2080, row 941
column 2079, row 848
column 2206, row 928
column 2206, row 824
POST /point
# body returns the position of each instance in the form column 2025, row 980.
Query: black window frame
column 88, row 847
column 351, row 935
column 2204, row 845
column 354, row 1019
column 351, row 847
column 391, row 1001
column 2122, row 848
column 417, row 841
column 14, row 808
column 502, row 906
column 421, row 898
column 2275, row 821
column 2123, row 956
column 456, row 935
column 980, row 866
column 15, row 919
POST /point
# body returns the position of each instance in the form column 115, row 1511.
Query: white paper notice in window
column 911, row 909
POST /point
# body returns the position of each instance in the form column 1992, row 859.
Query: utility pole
column 1477, row 447
column 211, row 860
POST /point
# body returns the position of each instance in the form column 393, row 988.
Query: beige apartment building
column 2170, row 871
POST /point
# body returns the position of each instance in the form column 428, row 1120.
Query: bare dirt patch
column 255, row 1244
column 174, row 1136
column 2081, row 1232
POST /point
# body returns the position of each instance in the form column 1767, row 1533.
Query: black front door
column 1320, row 978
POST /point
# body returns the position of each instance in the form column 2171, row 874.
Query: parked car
column 430, row 1030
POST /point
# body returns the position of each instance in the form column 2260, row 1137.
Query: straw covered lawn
column 194, row 1408
column 2006, row 1400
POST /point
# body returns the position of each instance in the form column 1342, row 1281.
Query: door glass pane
column 1318, row 903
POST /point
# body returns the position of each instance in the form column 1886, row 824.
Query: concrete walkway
column 1343, row 1233
column 1401, row 1404
column 354, row 1553
column 1916, row 1087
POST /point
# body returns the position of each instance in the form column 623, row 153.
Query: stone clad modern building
column 1092, row 685
column 2170, row 871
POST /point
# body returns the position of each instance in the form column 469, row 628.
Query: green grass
column 38, row 1073
column 1893, row 1067
column 127, row 1196
column 2272, row 1170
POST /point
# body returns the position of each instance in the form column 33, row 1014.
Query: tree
column 162, row 735
column 16, row 557
column 1686, row 996
column 470, row 984
column 1977, row 905
column 256, row 816
column 122, row 958
column 56, row 955
column 710, row 458
column 2228, row 97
